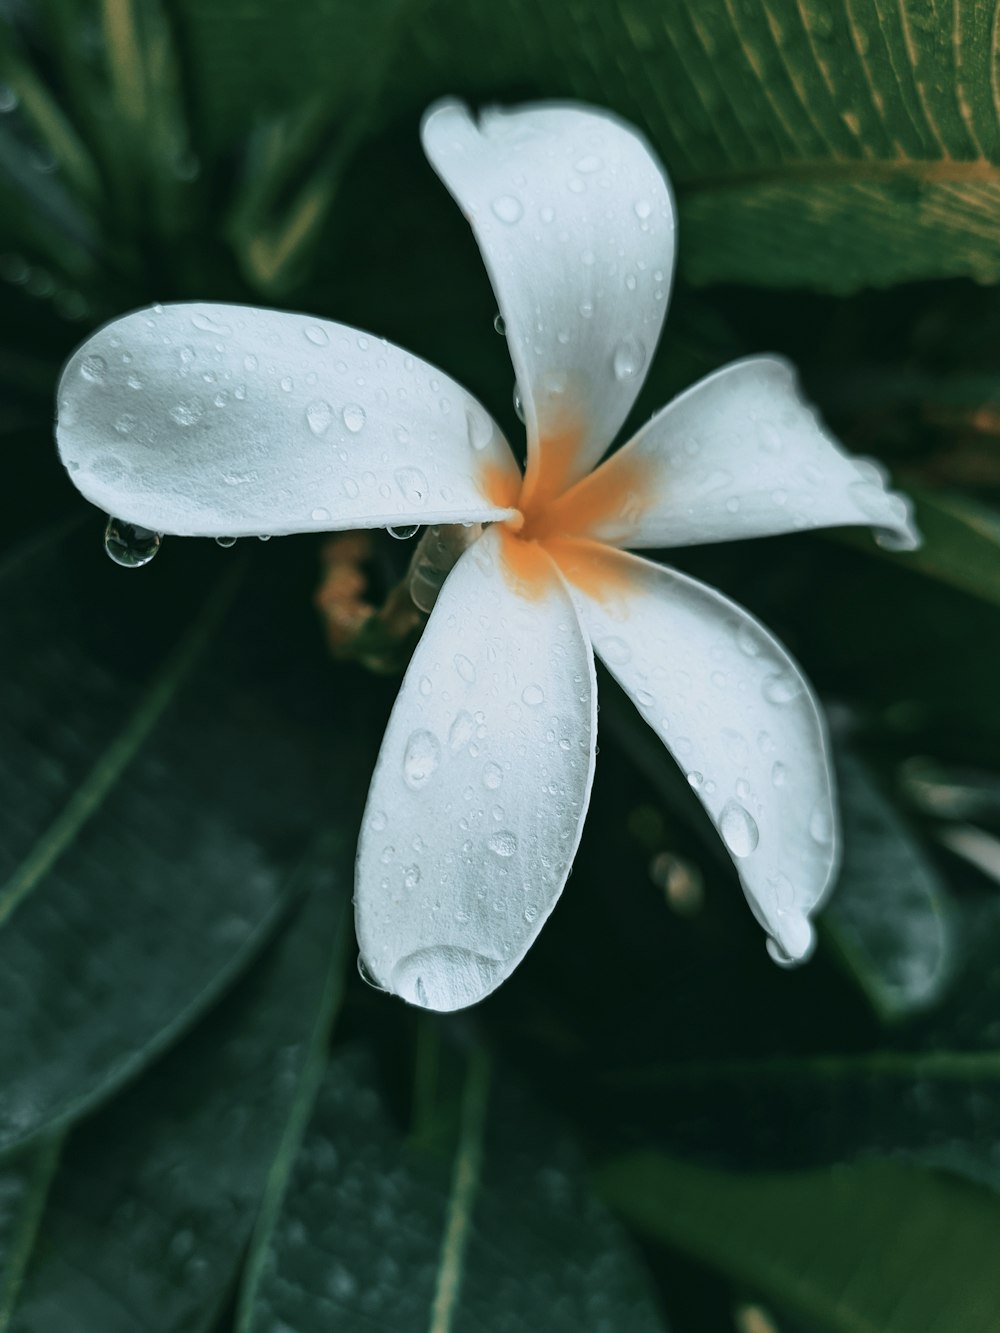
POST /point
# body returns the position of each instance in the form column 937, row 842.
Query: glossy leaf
column 484, row 1220
column 829, row 146
column 155, row 1198
column 146, row 858
column 816, row 1243
column 889, row 914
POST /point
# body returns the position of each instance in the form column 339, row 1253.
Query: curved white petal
column 738, row 716
column 742, row 454
column 574, row 217
column 224, row 420
column 481, row 786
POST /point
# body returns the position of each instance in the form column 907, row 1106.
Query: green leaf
column 831, row 145
column 433, row 1232
column 146, row 846
column 156, row 1197
column 873, row 1249
column 887, row 912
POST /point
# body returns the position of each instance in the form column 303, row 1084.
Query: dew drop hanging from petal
column 128, row 545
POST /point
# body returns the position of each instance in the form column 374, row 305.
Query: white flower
column 226, row 421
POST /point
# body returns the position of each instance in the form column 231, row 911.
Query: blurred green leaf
column 155, row 1198
column 482, row 1219
column 961, row 543
column 24, row 1186
column 865, row 1249
column 887, row 914
column 146, row 847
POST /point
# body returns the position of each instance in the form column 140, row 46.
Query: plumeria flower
column 218, row 420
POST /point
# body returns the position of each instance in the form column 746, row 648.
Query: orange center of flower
column 561, row 519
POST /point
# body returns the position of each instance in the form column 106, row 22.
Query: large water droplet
column 738, row 828
column 128, row 545
column 781, row 687
column 629, row 358
column 518, row 403
column 500, row 324
column 533, row 695
column 445, row 977
column 317, row 335
column 225, row 542
column 354, row 416
column 503, row 843
column 404, row 532
column 508, row 208
column 94, row 369
column 420, row 759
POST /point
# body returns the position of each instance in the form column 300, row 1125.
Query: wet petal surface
column 215, row 420
column 575, row 220
column 481, row 786
column 741, row 454
column 736, row 713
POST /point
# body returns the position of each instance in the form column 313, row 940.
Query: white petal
column 481, row 787
column 575, row 220
column 742, row 454
column 223, row 420
column 738, row 716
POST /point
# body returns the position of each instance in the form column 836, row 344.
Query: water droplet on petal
column 518, row 404
column 465, row 668
column 500, row 324
column 128, row 545
column 94, row 369
column 643, row 208
column 492, row 776
column 615, row 651
column 404, row 532
column 503, row 843
column 445, row 976
column 411, row 877
column 533, row 695
column 589, row 164
column 320, row 515
column 738, row 828
column 317, row 335
column 188, row 411
column 821, row 823
column 412, row 485
column 779, row 774
column 354, row 416
column 420, row 759
column 508, row 208
column 781, row 687
column 629, row 358
column 225, row 542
